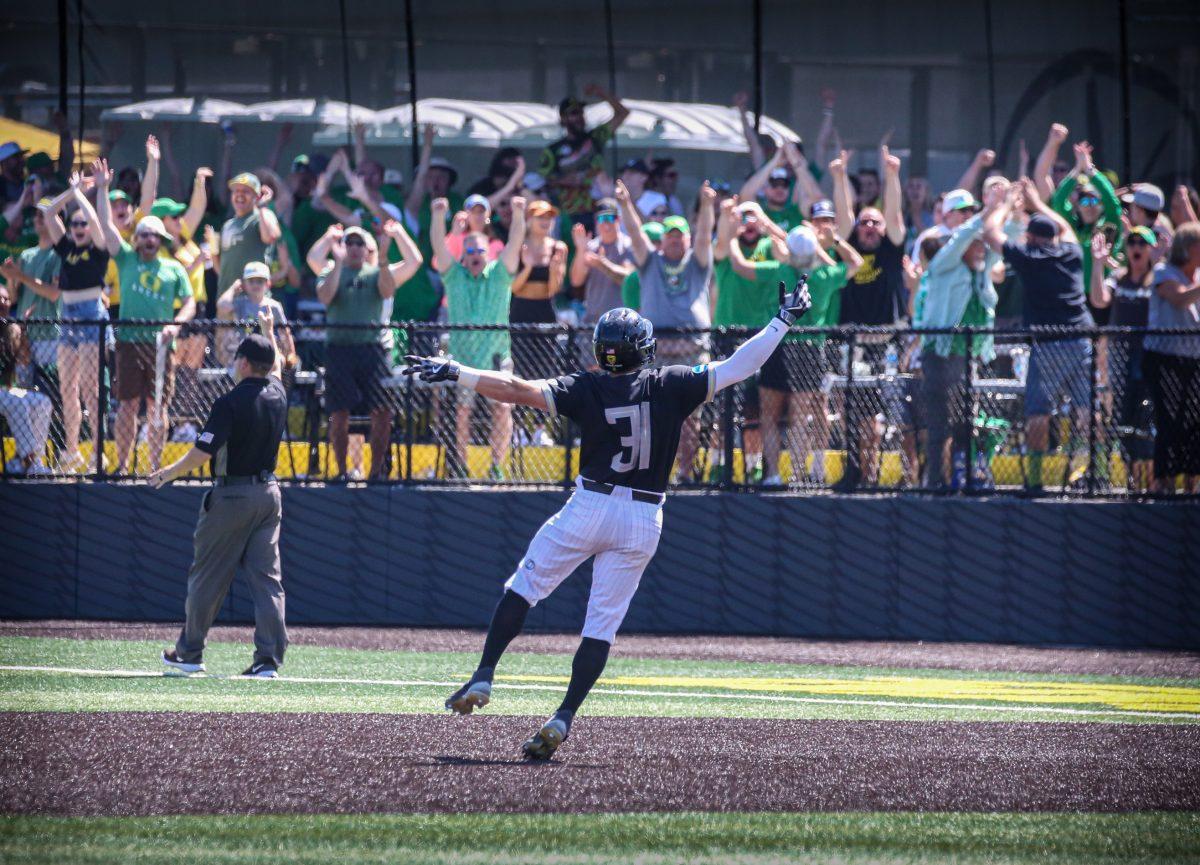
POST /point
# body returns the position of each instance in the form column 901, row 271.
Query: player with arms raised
column 630, row 416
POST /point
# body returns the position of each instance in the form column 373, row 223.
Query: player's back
column 630, row 424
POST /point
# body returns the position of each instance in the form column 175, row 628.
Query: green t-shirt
column 975, row 315
column 42, row 264
column 482, row 299
column 241, row 243
column 786, row 217
column 272, row 259
column 357, row 302
column 631, row 291
column 149, row 290
column 742, row 302
column 824, row 286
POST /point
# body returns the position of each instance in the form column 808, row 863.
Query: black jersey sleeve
column 217, row 428
column 689, row 386
column 564, row 395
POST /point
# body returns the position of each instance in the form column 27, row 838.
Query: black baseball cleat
column 476, row 694
column 261, row 670
column 543, row 743
column 177, row 666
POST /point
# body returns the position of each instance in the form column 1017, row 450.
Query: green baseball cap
column 653, row 230
column 41, row 159
column 1145, row 234
column 167, row 207
column 118, row 195
column 676, row 223
column 246, row 179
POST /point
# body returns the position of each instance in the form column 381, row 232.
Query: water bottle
column 959, row 479
column 891, row 360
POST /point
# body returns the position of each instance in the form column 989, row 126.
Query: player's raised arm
column 499, row 386
column 755, row 351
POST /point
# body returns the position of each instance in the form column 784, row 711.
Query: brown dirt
column 957, row 656
column 158, row 763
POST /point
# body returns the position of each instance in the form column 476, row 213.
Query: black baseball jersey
column 244, row 428
column 630, row 423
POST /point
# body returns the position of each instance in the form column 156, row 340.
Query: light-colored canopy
column 175, row 109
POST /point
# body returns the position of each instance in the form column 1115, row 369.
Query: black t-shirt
column 244, row 428
column 82, row 266
column 630, row 423
column 1052, row 278
column 1130, row 302
column 875, row 294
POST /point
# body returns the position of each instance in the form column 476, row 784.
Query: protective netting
column 1089, row 413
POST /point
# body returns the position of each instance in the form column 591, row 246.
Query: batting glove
column 793, row 304
column 431, row 368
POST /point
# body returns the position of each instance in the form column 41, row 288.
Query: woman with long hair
column 543, row 268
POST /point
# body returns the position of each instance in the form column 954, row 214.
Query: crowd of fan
column 1062, row 244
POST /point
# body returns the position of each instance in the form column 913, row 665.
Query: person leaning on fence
column 358, row 292
column 238, row 528
column 674, row 287
column 1050, row 264
column 1173, row 362
column 958, row 293
column 26, row 411
column 478, row 292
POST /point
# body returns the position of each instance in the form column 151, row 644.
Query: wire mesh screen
column 1104, row 412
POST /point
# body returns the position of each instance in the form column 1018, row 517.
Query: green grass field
column 115, row 676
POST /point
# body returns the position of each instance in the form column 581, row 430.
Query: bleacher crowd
column 341, row 244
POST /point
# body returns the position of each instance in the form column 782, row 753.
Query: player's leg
column 561, row 545
column 261, row 565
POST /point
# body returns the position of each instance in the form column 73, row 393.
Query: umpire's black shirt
column 244, row 428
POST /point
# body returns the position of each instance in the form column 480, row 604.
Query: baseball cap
column 391, row 210
column 780, row 173
column 256, row 270
column 118, row 195
column 257, row 349
column 393, row 177
column 477, row 200
column 1146, row 195
column 446, row 165
column 823, row 209
column 636, row 165
column 676, row 223
column 360, row 231
column 152, row 224
column 653, row 230
column 302, row 163
column 1145, row 234
column 1041, row 225
column 650, row 201
column 41, row 159
column 10, row 148
column 744, row 208
column 606, row 205
column 167, row 207
column 802, row 243
column 246, row 179
column 541, row 207
column 958, row 199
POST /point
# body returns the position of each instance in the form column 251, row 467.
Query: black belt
column 243, row 480
column 638, row 495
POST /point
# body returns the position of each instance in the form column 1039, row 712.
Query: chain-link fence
column 1098, row 412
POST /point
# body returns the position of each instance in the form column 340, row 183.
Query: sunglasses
column 1089, row 201
column 606, row 217
column 75, row 223
column 146, row 235
column 355, row 242
column 473, row 250
column 1136, row 241
column 748, row 218
column 779, row 183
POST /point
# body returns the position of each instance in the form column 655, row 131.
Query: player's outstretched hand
column 431, row 368
column 793, row 304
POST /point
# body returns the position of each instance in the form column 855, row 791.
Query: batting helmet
column 623, row 341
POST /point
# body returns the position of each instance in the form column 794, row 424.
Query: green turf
column 30, row 691
column 922, row 839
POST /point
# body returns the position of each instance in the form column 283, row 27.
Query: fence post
column 568, row 433
column 726, row 481
column 409, row 336
column 101, row 402
column 1093, row 410
column 968, row 408
column 853, row 469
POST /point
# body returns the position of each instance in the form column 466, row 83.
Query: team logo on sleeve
column 699, row 368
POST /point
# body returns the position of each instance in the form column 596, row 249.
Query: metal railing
column 954, row 411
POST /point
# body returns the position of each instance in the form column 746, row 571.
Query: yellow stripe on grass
column 1138, row 698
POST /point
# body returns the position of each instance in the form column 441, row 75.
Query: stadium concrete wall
column 1013, row 571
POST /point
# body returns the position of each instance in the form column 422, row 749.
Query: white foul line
column 773, row 698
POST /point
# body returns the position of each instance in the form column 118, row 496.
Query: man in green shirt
column 792, row 381
column 356, row 292
column 246, row 236
column 150, row 285
column 478, row 293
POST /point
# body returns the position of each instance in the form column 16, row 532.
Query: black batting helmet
column 623, row 341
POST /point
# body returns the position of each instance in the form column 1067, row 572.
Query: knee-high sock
column 507, row 622
column 590, row 658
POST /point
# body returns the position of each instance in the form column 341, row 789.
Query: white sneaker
column 71, row 464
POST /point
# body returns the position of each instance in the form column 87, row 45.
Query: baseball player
column 630, row 416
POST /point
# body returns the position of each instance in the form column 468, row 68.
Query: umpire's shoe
column 476, row 694
column 543, row 743
column 261, row 670
column 176, row 666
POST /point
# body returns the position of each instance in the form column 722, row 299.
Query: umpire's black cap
column 257, row 349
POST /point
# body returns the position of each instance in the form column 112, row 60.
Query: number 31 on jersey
column 635, row 447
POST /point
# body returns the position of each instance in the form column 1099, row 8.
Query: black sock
column 507, row 622
column 590, row 658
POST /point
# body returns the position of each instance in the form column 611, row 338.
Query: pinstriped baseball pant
column 621, row 533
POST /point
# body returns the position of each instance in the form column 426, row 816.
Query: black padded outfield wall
column 1093, row 573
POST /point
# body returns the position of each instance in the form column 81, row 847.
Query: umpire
column 239, row 517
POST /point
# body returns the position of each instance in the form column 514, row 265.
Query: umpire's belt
column 243, row 480
column 637, row 495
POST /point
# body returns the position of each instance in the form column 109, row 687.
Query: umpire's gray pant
column 238, row 530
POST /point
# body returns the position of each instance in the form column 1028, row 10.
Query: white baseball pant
column 621, row 533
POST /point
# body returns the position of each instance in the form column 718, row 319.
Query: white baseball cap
column 958, row 199
column 650, row 201
column 256, row 270
column 477, row 200
column 802, row 244
column 1147, row 196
